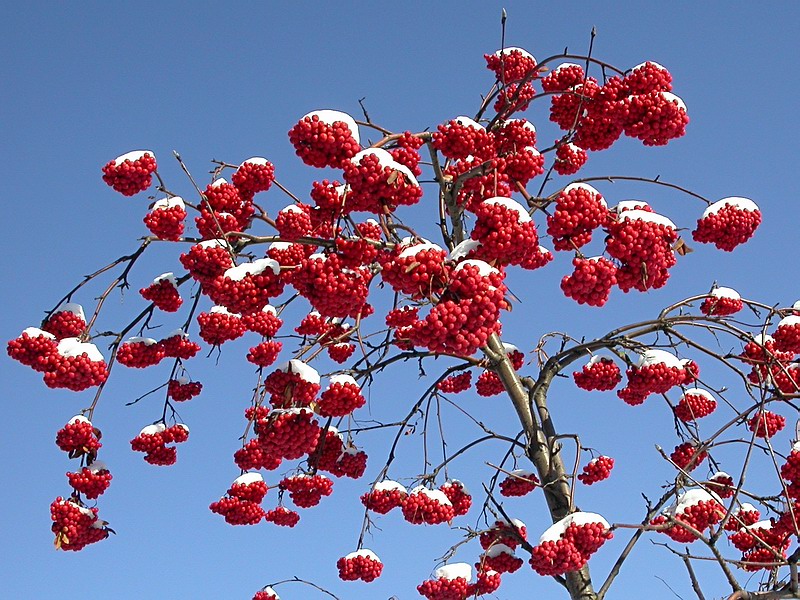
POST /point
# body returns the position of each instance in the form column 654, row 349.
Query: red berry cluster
column 225, row 208
column 207, row 260
column 455, row 383
column 506, row 232
column 79, row 437
column 75, row 525
column 458, row 495
column 695, row 404
column 642, row 242
column 178, row 345
column 91, row 481
column 140, row 353
column 728, row 223
column 292, row 384
column 241, row 505
column 765, row 424
column 163, row 293
column 153, row 440
column 264, row 322
column 286, row 433
column 596, row 470
column 130, row 173
column 361, row 564
column 377, row 183
column 518, row 483
column 787, row 335
column 406, row 152
column 508, row 534
column 591, row 281
column 462, row 137
column 489, row 384
column 307, row 490
column 75, row 366
column 181, row 389
column 325, row 138
column 67, row 322
column 568, row 544
column 294, row 222
column 722, row 302
column 657, row 372
column 265, row 353
column 248, row 287
column 266, row 594
column 282, row 516
column 599, row 373
column 569, row 158
column 499, row 558
column 579, row 210
column 721, row 484
column 331, row 288
column 341, row 397
column 33, row 348
column 384, row 496
column 254, row 175
column 511, row 64
column 166, row 219
column 686, row 457
column 219, row 326
column 451, row 582
column 415, row 268
column 427, row 506
column 759, row 543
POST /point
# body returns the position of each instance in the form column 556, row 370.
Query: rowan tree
column 336, row 284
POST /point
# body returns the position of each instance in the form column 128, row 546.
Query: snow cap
column 513, row 205
column 387, row 485
column 735, row 201
column 132, row 156
column 72, row 307
column 153, row 429
column 464, row 248
column 306, row 372
column 556, row 530
column 342, row 379
column 366, row 553
column 454, row 571
column 256, row 267
column 329, row 117
column 654, row 356
column 36, row 332
column 166, row 203
column 73, row 347
column 248, row 478
column 650, row 217
column 437, row 495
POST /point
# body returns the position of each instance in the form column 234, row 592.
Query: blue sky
column 87, row 82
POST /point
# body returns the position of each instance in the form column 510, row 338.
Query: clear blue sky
column 85, row 82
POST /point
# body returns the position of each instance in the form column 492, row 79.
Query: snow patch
column 166, row 203
column 329, row 117
column 132, row 156
column 650, row 217
column 484, row 268
column 697, row 392
column 670, row 97
column 464, row 248
column 654, row 356
column 255, row 160
column 498, row 549
column 454, row 571
column 387, row 485
column 414, row 250
column 221, row 310
column 437, row 495
column 78, row 419
column 342, row 379
column 725, row 292
column 467, row 122
column 790, row 321
column 153, row 429
column 75, row 309
column 248, row 478
column 218, row 182
column 36, row 332
column 583, row 186
column 556, row 530
column 642, row 65
column 366, row 553
column 73, row 347
column 306, row 372
column 141, row 340
column 735, row 201
column 256, row 267
column 511, row 49
column 512, row 205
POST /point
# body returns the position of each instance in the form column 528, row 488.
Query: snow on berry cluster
column 166, row 219
column 75, row 525
column 91, row 481
column 431, row 507
column 307, row 490
column 656, row 372
column 721, row 302
column 591, row 280
column 181, row 389
column 579, row 210
column 696, row 508
column 68, row 321
column 518, row 483
column 728, row 223
column 153, row 440
column 416, row 268
column 505, row 232
column 292, row 384
column 241, row 504
column 377, row 183
column 341, row 397
column 254, row 175
column 76, row 366
column 384, row 496
column 596, row 470
column 163, row 292
column 78, row 438
column 130, row 173
column 362, row 564
column 568, row 544
column 600, row 373
column 695, row 404
column 325, row 138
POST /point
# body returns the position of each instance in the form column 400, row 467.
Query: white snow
column 626, row 205
column 735, row 201
column 255, row 160
column 652, row 62
column 342, row 379
column 583, row 186
column 166, row 203
column 153, row 429
column 73, row 347
column 218, row 182
column 366, row 553
column 464, row 248
column 270, row 309
column 654, row 356
column 183, row 380
column 565, row 65
column 75, row 309
column 166, row 277
column 509, row 348
column 511, row 49
column 513, row 205
column 670, row 97
column 437, row 495
column 221, row 310
column 280, row 245
column 650, row 217
column 524, row 122
column 141, row 340
column 291, row 208
column 467, row 122
column 78, row 419
column 796, row 305
column 484, row 268
column 725, row 292
column 453, row 482
column 216, row 243
column 385, row 159
column 690, row 498
column 36, row 332
column 719, row 475
column 697, row 392
column 522, row 473
column 177, row 333
column 387, row 485
column 256, row 267
column 454, row 571
column 790, row 321
column 132, row 156
column 498, row 549
column 98, row 466
column 746, row 507
column 417, row 248
column 766, row 524
column 248, row 478
column 306, row 372
column 556, row 530
column 330, row 117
